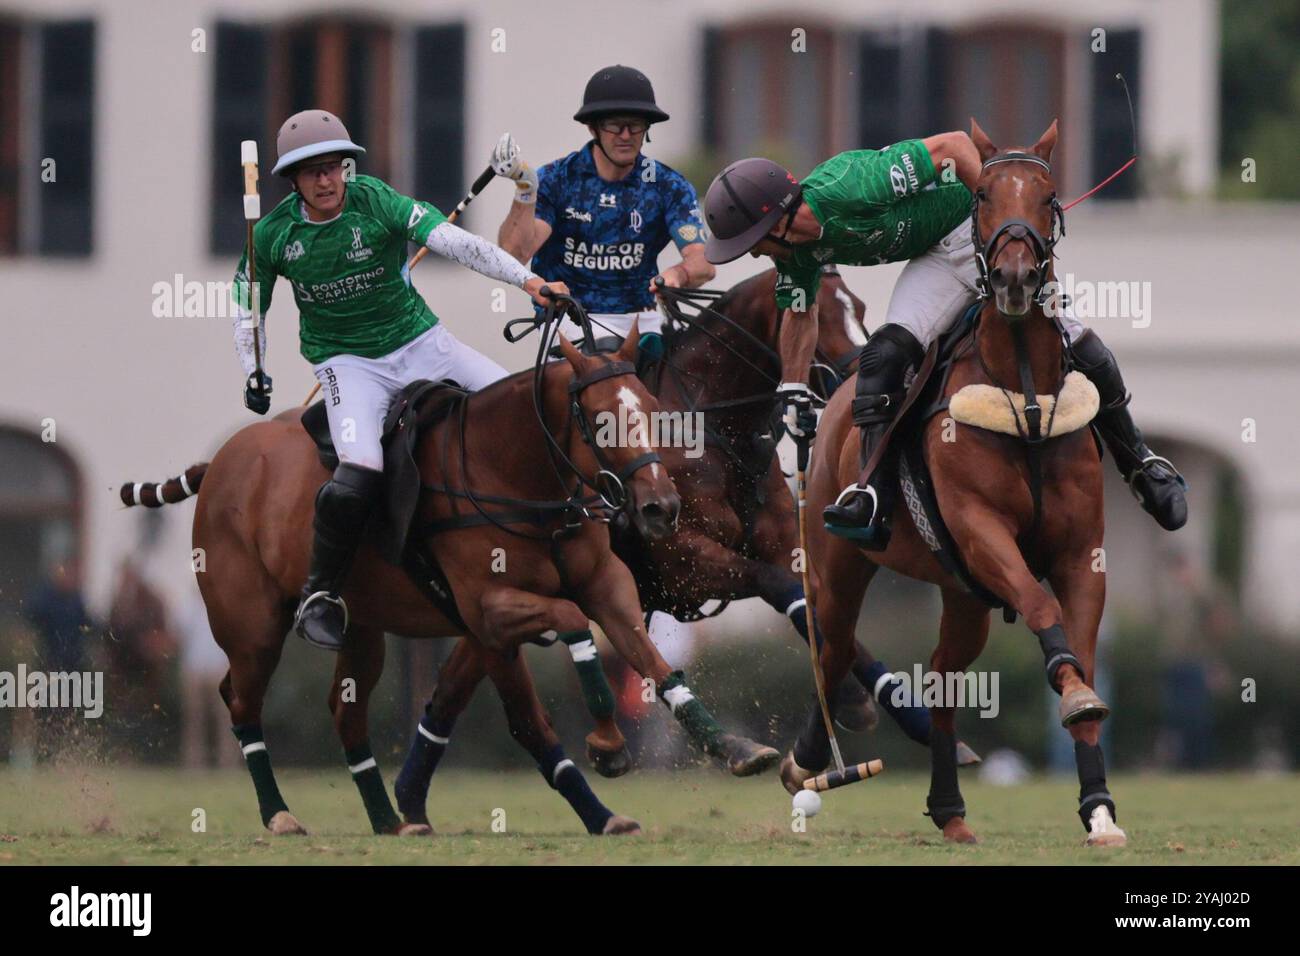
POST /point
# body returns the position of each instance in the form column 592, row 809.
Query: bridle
column 1015, row 230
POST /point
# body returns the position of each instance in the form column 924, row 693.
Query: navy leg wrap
column 944, row 800
column 427, row 748
column 1056, row 654
column 269, row 801
column 370, row 783
column 793, row 606
column 1092, row 781
column 563, row 775
column 913, row 717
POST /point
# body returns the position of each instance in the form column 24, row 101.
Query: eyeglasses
column 322, row 169
column 616, row 126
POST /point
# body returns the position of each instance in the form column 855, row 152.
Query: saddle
column 416, row 408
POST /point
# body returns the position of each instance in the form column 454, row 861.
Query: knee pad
column 348, row 497
column 886, row 356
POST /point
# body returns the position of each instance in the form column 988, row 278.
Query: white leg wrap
column 677, row 696
column 432, row 736
column 583, row 651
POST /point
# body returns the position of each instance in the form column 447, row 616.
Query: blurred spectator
column 205, row 734
column 141, row 650
column 1194, row 618
column 57, row 613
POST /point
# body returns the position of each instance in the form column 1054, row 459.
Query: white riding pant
column 604, row 324
column 358, row 391
column 936, row 288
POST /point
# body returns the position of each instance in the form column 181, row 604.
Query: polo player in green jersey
column 865, row 207
column 340, row 241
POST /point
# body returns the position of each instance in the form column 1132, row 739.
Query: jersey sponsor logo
column 359, row 251
column 635, row 221
column 294, row 251
column 581, row 216
column 608, row 257
column 824, row 255
column 910, row 167
column 331, row 385
column 608, row 201
column 688, row 232
column 898, row 180
column 417, row 213
column 338, row 290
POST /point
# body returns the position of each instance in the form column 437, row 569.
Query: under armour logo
column 608, row 201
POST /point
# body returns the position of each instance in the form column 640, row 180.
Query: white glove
column 508, row 163
column 799, row 402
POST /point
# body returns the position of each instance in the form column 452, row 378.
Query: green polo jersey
column 347, row 274
column 875, row 205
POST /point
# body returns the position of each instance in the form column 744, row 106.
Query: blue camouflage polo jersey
column 606, row 237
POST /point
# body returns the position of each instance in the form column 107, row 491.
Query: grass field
column 92, row 816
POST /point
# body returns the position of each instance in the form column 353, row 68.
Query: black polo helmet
column 619, row 89
column 742, row 205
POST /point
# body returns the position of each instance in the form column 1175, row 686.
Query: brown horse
column 518, row 443
column 737, row 533
column 1018, row 507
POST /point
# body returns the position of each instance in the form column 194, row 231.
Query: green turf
column 116, row 815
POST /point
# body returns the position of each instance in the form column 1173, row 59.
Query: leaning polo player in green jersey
column 865, row 207
column 341, row 243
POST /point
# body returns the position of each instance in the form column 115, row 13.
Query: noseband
column 1015, row 230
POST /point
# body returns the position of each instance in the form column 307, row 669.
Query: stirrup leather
column 321, row 596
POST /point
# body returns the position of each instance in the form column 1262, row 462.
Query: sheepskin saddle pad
column 991, row 408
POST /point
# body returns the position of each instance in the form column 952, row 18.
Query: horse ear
column 982, row 142
column 1046, row 143
column 627, row 351
column 570, row 352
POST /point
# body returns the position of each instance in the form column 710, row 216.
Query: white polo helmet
column 311, row 133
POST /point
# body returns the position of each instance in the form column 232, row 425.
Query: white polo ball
column 809, row 801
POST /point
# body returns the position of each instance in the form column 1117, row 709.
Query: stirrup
column 856, row 489
column 321, row 596
column 1161, row 460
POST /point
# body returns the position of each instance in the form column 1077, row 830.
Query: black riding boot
column 343, row 505
column 1154, row 481
column 863, row 510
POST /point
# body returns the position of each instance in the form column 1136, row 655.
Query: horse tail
column 166, row 492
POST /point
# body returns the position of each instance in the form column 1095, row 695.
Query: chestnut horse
column 737, row 532
column 1016, row 509
column 517, row 443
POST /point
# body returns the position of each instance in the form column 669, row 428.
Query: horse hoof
column 746, row 757
column 285, row 823
column 855, row 711
column 1103, row 831
column 956, row 831
column 965, row 756
column 1080, row 704
column 793, row 775
column 609, row 763
column 413, row 830
column 621, row 826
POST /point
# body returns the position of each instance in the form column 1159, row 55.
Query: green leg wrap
column 370, row 784
column 595, row 687
column 705, row 732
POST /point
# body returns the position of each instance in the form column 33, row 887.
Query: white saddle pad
column 990, row 408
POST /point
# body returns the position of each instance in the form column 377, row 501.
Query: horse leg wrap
column 586, row 660
column 944, row 800
column 412, row 786
column 1092, row 781
column 562, row 774
column 812, row 748
column 911, row 715
column 705, row 732
column 1057, row 654
column 269, row 801
column 370, row 783
column 794, row 605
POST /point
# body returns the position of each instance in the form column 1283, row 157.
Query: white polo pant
column 605, row 324
column 936, row 288
column 358, row 391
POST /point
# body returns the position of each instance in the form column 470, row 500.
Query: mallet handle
column 840, row 778
column 818, row 679
column 252, row 212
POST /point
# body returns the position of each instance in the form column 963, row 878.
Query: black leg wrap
column 812, row 749
column 1092, row 781
column 944, row 800
column 1057, row 654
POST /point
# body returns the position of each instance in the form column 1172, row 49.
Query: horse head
column 618, row 426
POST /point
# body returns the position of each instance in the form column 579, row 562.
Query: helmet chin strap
column 781, row 240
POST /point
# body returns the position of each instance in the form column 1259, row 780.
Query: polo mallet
column 252, row 213
column 841, row 776
column 479, row 185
